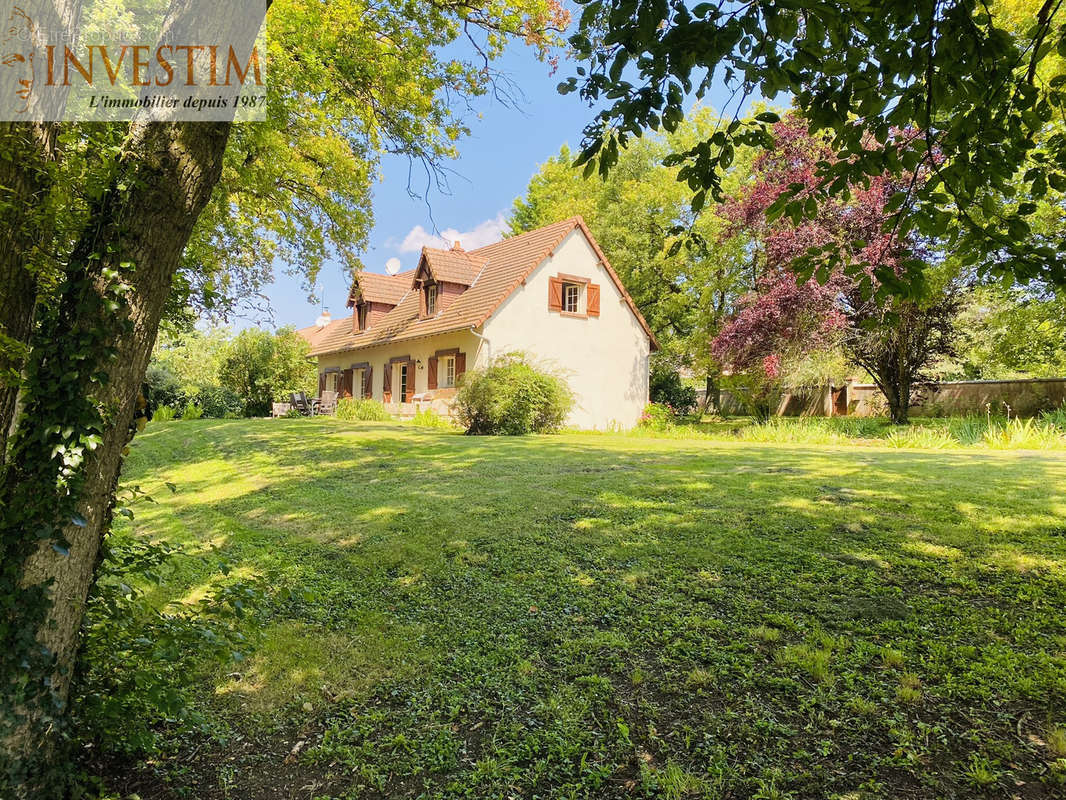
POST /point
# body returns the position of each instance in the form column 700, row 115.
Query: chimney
column 456, row 245
column 323, row 319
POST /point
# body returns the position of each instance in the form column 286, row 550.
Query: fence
column 1025, row 397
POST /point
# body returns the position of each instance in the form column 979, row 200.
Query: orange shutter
column 387, row 387
column 431, row 372
column 368, row 386
column 410, row 382
column 592, row 300
column 346, row 383
column 460, row 365
column 555, row 294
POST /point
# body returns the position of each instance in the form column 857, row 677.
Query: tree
column 121, row 205
column 980, row 85
column 636, row 213
column 261, row 367
column 896, row 339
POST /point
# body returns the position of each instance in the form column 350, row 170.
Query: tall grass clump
column 357, row 408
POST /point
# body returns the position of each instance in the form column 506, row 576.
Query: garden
column 338, row 609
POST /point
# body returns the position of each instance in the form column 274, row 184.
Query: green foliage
column 973, row 110
column 164, row 414
column 512, row 397
column 637, row 214
column 667, row 388
column 428, row 418
column 657, row 417
column 192, row 411
column 260, row 368
column 144, row 660
column 357, row 408
column 1009, row 334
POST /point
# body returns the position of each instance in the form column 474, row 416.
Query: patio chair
column 327, row 404
column 279, row 409
column 301, row 403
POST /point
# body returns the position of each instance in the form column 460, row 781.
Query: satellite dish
column 392, row 266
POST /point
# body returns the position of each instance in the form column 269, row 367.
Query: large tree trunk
column 170, row 169
column 24, row 183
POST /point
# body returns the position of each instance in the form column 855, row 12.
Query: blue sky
column 504, row 150
column 506, row 146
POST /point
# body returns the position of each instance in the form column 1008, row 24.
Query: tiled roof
column 504, row 265
column 453, row 266
column 378, row 288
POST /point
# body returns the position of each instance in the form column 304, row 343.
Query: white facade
column 604, row 358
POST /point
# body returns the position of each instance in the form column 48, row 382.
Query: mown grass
column 611, row 616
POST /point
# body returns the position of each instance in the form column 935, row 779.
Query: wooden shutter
column 431, row 372
column 410, row 382
column 387, row 381
column 592, row 300
column 555, row 296
column 368, row 383
column 321, row 383
column 460, row 365
column 346, row 383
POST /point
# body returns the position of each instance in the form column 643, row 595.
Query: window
column 362, row 316
column 431, row 300
column 447, row 372
column 403, row 382
column 571, row 296
column 332, row 381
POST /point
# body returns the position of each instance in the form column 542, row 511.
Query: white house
column 550, row 292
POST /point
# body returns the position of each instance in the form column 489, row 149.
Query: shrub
column 192, row 411
column 162, row 387
column 218, row 402
column 164, row 414
column 667, row 388
column 512, row 397
column 353, row 408
column 428, row 418
column 657, row 417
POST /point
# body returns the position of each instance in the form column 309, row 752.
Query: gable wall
column 605, row 358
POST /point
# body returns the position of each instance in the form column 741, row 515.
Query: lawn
column 608, row 616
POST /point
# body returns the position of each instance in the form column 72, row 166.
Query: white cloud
column 487, row 232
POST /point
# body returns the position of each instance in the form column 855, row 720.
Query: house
column 550, row 292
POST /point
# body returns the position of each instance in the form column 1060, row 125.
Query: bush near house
column 355, row 408
column 667, row 388
column 513, row 397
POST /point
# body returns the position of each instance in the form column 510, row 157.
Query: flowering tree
column 893, row 337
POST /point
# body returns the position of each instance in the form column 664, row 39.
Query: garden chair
column 327, row 404
column 279, row 409
column 301, row 403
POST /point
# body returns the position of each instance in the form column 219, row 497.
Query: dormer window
column 362, row 313
column 431, row 300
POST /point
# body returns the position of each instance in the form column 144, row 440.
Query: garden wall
column 1026, row 398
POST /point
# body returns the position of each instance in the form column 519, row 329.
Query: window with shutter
column 555, row 294
column 592, row 300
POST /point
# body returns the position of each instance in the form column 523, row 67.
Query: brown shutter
column 386, row 393
column 460, row 365
column 431, row 372
column 592, row 300
column 368, row 382
column 321, row 383
column 410, row 382
column 555, row 295
column 346, row 383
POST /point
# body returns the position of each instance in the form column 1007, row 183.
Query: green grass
column 1047, row 432
column 614, row 616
